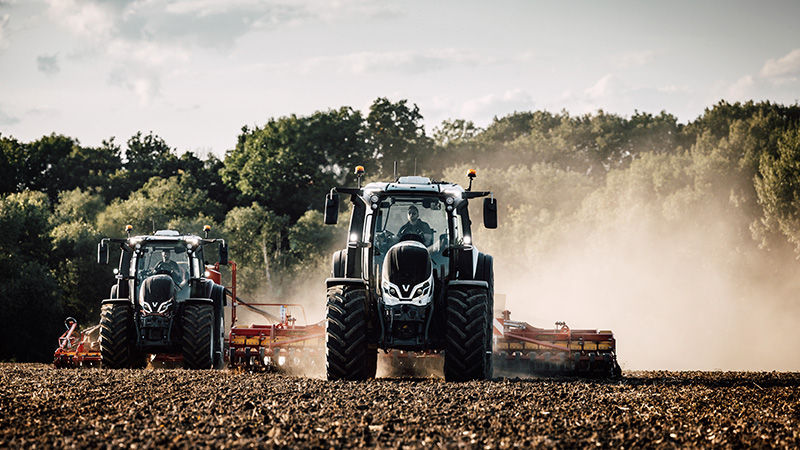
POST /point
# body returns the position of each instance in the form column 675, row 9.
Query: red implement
column 280, row 344
column 520, row 348
column 77, row 349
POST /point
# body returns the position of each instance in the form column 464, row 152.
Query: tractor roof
column 414, row 184
column 165, row 235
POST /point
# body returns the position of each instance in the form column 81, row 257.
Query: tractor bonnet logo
column 406, row 286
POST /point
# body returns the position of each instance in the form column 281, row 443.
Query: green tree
column 778, row 189
column 158, row 202
column 289, row 164
column 395, row 133
column 257, row 240
column 30, row 306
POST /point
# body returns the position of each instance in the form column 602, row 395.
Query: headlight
column 449, row 200
column 467, row 240
column 374, row 198
column 418, row 293
column 147, row 308
column 162, row 308
column 393, row 292
column 353, row 237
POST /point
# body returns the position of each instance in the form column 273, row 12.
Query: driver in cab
column 417, row 226
column 167, row 265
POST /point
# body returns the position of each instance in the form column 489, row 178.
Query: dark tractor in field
column 410, row 279
column 162, row 302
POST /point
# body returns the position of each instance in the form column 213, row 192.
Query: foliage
column 290, row 163
column 31, row 308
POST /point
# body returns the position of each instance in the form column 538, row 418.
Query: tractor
column 410, row 278
column 163, row 302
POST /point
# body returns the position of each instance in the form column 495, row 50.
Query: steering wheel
column 412, row 237
column 161, row 269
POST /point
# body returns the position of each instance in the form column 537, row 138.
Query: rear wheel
column 117, row 348
column 219, row 341
column 219, row 331
column 198, row 336
column 468, row 348
column 348, row 351
column 485, row 272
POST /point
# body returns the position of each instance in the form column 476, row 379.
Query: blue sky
column 196, row 71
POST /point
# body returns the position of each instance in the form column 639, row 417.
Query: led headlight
column 162, row 308
column 449, row 200
column 373, row 198
column 147, row 308
column 393, row 292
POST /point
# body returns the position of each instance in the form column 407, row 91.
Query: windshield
column 169, row 258
column 420, row 219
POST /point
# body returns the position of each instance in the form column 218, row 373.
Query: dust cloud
column 677, row 298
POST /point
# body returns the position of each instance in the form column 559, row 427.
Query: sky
column 196, row 71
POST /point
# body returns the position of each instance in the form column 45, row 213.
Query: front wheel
column 197, row 344
column 117, row 348
column 348, row 352
column 468, row 350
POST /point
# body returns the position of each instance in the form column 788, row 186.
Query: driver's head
column 165, row 256
column 413, row 214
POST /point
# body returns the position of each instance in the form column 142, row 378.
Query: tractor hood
column 157, row 294
column 407, row 275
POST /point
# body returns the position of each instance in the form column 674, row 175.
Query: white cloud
column 411, row 62
column 89, row 19
column 482, row 109
column 741, row 89
column 146, row 85
column 637, row 58
column 606, row 86
column 671, row 89
column 787, row 66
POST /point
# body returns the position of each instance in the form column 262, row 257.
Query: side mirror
column 490, row 212
column 331, row 208
column 223, row 253
column 102, row 253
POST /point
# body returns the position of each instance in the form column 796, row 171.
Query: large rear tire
column 468, row 349
column 348, row 352
column 219, row 331
column 485, row 272
column 197, row 344
column 117, row 349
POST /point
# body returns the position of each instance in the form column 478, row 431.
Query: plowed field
column 45, row 407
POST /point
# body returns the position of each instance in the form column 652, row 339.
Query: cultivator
column 77, row 349
column 520, row 348
column 282, row 344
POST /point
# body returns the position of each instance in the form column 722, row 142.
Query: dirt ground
column 45, row 407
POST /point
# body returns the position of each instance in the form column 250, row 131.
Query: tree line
column 552, row 171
